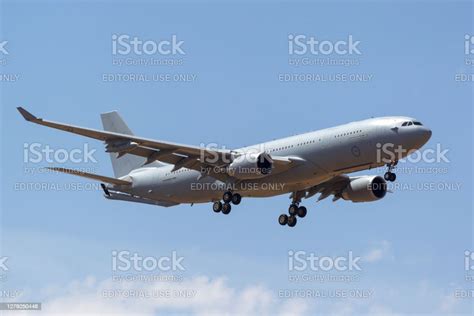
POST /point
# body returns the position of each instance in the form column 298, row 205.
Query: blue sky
column 412, row 242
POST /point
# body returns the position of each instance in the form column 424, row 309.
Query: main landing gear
column 228, row 198
column 389, row 175
column 294, row 211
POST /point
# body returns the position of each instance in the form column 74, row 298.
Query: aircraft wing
column 178, row 154
column 333, row 186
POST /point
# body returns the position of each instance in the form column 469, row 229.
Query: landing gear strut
column 389, row 175
column 228, row 197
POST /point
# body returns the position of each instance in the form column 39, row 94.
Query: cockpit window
column 409, row 123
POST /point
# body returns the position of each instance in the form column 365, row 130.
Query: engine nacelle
column 365, row 189
column 251, row 166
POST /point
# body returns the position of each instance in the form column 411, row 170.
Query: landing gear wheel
column 390, row 176
column 301, row 211
column 217, row 206
column 226, row 208
column 293, row 209
column 227, row 197
column 283, row 219
column 236, row 198
column 292, row 221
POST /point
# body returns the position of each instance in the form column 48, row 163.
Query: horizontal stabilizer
column 130, row 198
column 92, row 176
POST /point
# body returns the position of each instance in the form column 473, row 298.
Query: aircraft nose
column 425, row 134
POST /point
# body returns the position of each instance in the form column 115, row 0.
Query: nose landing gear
column 389, row 175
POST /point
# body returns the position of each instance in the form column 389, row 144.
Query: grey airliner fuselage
column 326, row 153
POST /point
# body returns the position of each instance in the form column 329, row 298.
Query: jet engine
column 365, row 189
column 251, row 166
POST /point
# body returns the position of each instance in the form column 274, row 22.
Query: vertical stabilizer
column 124, row 164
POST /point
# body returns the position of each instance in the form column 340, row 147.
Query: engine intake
column 251, row 166
column 365, row 189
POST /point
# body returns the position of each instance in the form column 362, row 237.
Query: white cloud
column 380, row 251
column 212, row 297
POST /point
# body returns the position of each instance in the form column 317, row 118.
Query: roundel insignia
column 355, row 151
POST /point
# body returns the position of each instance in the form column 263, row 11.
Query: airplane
column 167, row 174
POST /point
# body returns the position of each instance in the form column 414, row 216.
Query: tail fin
column 112, row 122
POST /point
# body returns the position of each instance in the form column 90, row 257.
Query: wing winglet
column 26, row 115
